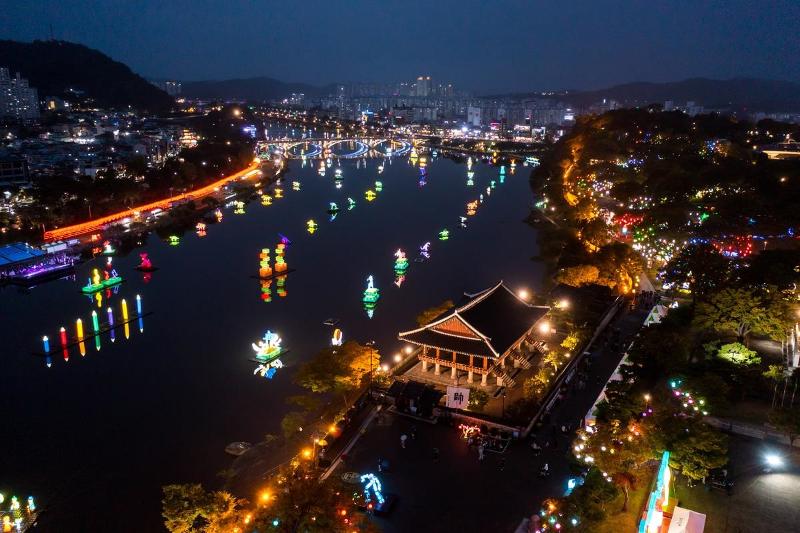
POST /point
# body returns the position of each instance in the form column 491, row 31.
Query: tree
column 292, row 423
column 478, row 399
column 338, row 369
column 739, row 354
column 431, row 313
column 741, row 312
column 701, row 265
column 552, row 358
column 189, row 508
column 776, row 373
column 577, row 276
column 534, row 387
column 788, row 421
column 699, row 450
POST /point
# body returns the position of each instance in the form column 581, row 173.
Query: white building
column 17, row 99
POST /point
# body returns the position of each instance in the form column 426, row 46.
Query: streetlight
column 773, row 460
column 523, row 294
column 398, row 358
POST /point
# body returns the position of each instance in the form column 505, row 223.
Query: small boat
column 237, row 448
column 331, row 321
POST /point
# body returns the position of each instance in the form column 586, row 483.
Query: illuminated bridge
column 336, row 148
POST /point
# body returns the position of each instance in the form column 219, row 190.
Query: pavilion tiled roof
column 491, row 322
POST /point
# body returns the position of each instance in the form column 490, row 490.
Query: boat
column 330, row 321
column 237, row 448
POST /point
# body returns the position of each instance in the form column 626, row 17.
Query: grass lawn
column 617, row 520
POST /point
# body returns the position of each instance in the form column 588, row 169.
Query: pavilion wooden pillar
column 437, row 369
column 424, row 363
column 471, row 366
column 453, row 370
column 485, row 371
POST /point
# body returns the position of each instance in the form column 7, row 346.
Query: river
column 94, row 438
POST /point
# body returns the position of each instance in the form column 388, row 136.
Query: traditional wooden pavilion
column 480, row 337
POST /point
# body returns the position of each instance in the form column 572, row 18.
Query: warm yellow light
column 564, row 304
column 332, row 429
column 265, row 496
column 523, row 294
column 398, row 358
column 409, row 349
column 307, row 453
column 544, row 327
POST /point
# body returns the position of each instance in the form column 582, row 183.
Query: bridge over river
column 337, row 147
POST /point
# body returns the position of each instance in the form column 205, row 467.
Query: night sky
column 485, row 46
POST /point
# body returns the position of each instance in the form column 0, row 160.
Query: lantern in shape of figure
column 265, row 270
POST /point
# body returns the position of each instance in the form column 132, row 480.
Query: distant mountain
column 253, row 89
column 737, row 93
column 55, row 66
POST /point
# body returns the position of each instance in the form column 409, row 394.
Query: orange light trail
column 98, row 223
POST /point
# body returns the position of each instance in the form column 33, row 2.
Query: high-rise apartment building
column 17, row 99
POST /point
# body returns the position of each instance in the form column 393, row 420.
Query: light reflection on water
column 160, row 407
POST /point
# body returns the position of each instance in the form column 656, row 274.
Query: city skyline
column 505, row 46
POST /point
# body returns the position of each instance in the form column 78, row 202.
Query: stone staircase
column 498, row 371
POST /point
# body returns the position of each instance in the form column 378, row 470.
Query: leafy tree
column 339, row 370
column 741, row 312
column 739, row 354
column 698, row 451
column 701, row 265
column 292, row 423
column 189, row 508
column 577, row 276
column 431, row 313
column 553, row 359
column 478, row 398
column 788, row 421
column 776, row 374
column 534, row 387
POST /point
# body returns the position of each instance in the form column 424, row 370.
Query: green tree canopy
column 701, row 265
column 742, row 311
column 739, row 354
column 189, row 508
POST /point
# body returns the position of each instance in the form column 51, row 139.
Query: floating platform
column 105, row 284
column 50, row 273
column 145, row 269
column 275, row 275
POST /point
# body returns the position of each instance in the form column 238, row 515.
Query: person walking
column 480, row 452
column 403, row 439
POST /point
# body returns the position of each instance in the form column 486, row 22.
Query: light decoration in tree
column 468, row 430
column 372, row 488
column 689, row 403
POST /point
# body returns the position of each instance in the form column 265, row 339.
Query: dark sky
column 486, row 46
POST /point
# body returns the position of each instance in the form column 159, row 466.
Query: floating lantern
column 278, row 192
column 399, row 279
column 46, row 344
column 338, row 173
column 380, row 169
column 469, row 163
column 444, row 235
column 350, row 204
column 95, row 323
column 369, row 195
column 265, row 270
column 266, row 200
column 268, row 348
column 424, row 250
column 295, row 185
column 463, row 221
column 280, row 264
column 82, row 348
column 401, row 261
column 311, row 226
column 491, row 184
column 124, row 306
column 472, row 207
column 107, row 248
column 110, row 313
column 336, row 340
column 201, row 229
column 218, row 214
column 63, row 335
column 138, row 305
column 174, row 240
column 333, row 208
column 239, row 208
column 371, row 293
column 378, row 186
column 281, row 287
column 79, row 328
